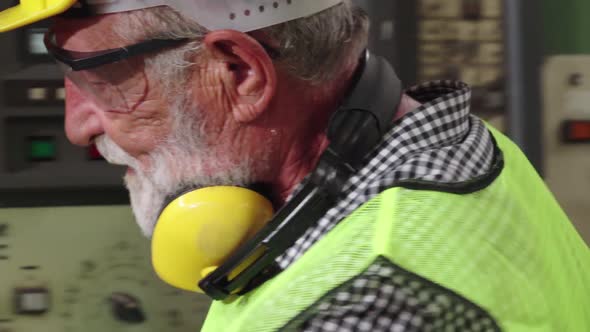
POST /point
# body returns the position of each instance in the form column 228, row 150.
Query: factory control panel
column 38, row 166
column 74, row 269
column 566, row 132
column 464, row 40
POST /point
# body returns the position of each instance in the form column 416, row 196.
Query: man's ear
column 249, row 77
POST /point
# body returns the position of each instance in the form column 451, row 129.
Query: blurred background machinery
column 566, row 128
column 38, row 166
column 566, row 111
column 464, row 40
column 71, row 257
column 74, row 269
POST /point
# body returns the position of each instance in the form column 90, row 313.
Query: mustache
column 113, row 153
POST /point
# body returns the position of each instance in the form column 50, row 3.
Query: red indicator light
column 576, row 131
column 93, row 153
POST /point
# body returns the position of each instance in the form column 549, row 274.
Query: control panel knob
column 126, row 308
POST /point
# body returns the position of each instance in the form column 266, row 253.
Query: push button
column 42, row 148
column 31, row 301
column 576, row 131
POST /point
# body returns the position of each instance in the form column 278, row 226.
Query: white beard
column 174, row 166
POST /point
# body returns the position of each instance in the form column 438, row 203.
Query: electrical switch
column 576, row 131
column 42, row 148
column 31, row 301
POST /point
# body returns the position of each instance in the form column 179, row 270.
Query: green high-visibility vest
column 507, row 248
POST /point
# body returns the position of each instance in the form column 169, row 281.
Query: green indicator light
column 42, row 149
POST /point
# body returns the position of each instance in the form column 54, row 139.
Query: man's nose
column 83, row 117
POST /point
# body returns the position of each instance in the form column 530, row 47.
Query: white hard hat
column 241, row 15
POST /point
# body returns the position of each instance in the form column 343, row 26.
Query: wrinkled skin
column 248, row 108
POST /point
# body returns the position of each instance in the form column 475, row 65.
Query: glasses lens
column 120, row 86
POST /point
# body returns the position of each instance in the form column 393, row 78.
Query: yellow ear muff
column 199, row 230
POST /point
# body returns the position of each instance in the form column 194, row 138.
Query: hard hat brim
column 241, row 15
column 29, row 12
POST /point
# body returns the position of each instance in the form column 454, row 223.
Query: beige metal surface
column 84, row 256
column 567, row 97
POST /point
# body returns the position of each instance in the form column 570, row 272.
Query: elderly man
column 396, row 212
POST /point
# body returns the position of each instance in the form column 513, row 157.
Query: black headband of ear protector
column 356, row 128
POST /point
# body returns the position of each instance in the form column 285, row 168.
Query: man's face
column 171, row 138
column 139, row 131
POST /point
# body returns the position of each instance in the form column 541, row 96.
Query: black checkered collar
column 439, row 142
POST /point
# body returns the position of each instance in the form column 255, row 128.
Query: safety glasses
column 114, row 78
column 89, row 60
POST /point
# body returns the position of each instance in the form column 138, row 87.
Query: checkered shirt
column 438, row 142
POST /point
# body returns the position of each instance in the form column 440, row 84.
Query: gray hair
column 312, row 48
